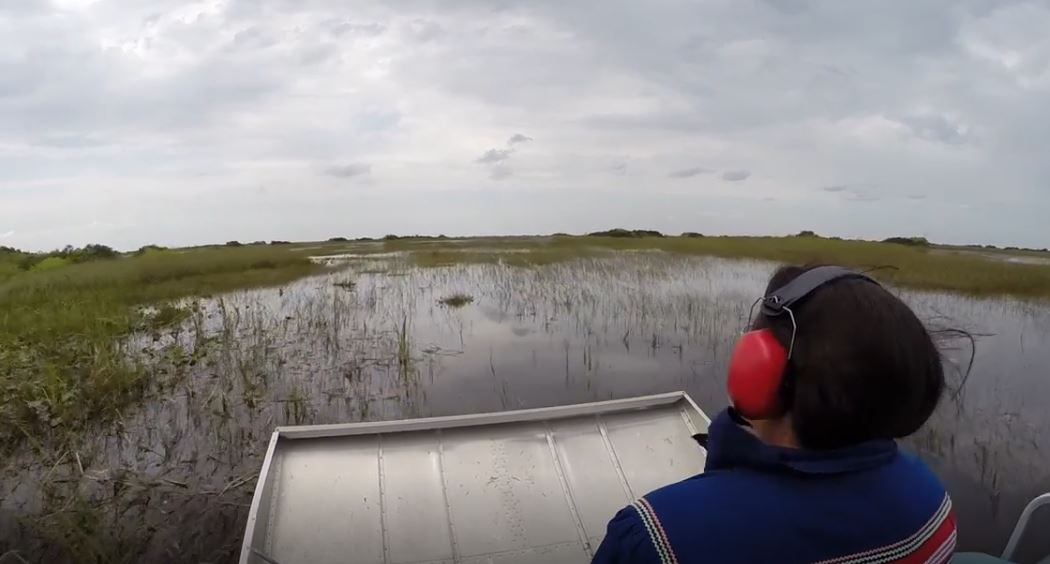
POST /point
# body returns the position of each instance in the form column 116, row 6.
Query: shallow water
column 633, row 323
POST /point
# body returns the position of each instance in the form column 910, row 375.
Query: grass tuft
column 347, row 285
column 456, row 300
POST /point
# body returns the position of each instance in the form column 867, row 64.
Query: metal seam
column 567, row 491
column 444, row 494
column 615, row 459
column 382, row 504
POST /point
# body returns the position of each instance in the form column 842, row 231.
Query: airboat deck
column 536, row 485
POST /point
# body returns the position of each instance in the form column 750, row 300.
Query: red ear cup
column 756, row 371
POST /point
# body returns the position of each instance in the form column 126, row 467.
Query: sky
column 180, row 122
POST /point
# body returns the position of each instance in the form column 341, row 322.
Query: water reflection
column 176, row 476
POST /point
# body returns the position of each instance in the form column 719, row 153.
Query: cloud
column 7, row 234
column 500, row 172
column 254, row 38
column 735, row 175
column 861, row 197
column 916, row 197
column 425, row 30
column 935, row 128
column 349, row 170
column 498, row 159
column 207, row 101
column 493, row 156
column 317, row 54
column 689, row 172
column 858, row 192
column 339, row 28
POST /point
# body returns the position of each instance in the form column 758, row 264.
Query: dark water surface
column 175, row 477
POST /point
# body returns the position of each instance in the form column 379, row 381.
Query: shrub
column 149, row 249
column 50, row 263
column 910, row 241
column 94, row 252
column 338, row 240
column 234, row 244
column 692, row 235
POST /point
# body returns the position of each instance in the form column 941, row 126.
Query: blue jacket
column 757, row 503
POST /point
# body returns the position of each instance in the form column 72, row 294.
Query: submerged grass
column 62, row 362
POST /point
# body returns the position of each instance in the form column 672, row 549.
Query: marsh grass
column 63, row 360
column 932, row 268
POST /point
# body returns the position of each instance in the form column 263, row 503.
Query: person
column 804, row 467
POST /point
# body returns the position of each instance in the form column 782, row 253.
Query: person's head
column 863, row 366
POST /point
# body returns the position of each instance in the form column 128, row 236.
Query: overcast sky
column 176, row 122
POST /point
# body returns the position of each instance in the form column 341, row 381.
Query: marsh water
column 172, row 480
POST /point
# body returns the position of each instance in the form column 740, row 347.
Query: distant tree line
column 392, row 237
column 626, row 233
column 1029, row 249
column 67, row 255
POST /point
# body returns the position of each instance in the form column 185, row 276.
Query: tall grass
column 62, row 357
column 913, row 267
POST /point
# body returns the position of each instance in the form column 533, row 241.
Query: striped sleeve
column 630, row 538
column 657, row 534
column 933, row 543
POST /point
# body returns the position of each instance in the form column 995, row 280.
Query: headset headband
column 781, row 299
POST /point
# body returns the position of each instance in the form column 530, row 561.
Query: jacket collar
column 730, row 445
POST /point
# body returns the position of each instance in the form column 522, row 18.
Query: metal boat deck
column 535, row 485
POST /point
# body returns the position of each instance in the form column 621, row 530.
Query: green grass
column 61, row 363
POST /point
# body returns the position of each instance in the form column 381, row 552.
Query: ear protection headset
column 759, row 361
